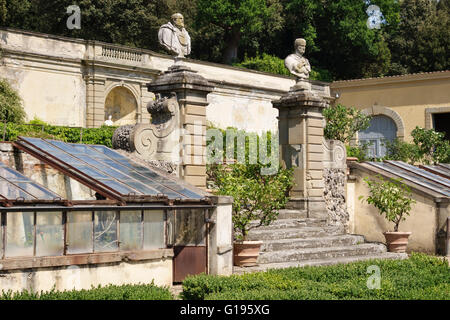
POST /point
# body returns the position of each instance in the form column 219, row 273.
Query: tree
column 338, row 38
column 11, row 109
column 343, row 122
column 127, row 22
column 421, row 42
column 238, row 22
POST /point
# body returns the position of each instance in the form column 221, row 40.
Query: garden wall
column 426, row 220
column 66, row 81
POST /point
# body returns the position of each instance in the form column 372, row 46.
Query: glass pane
column 130, row 230
column 10, row 191
column 119, row 187
column 37, row 191
column 49, row 234
column 19, row 234
column 105, row 227
column 65, row 147
column 190, row 227
column 11, row 175
column 154, row 230
column 79, row 232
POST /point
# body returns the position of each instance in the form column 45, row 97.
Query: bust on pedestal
column 300, row 127
column 299, row 66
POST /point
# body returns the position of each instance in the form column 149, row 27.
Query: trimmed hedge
column 102, row 135
column 419, row 277
column 110, row 292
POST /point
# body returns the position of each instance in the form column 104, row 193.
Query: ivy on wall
column 39, row 129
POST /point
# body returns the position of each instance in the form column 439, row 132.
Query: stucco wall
column 366, row 220
column 52, row 90
column 409, row 96
column 86, row 276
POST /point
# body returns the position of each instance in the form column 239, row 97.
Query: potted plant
column 393, row 199
column 257, row 199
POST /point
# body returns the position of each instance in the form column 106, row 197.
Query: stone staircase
column 295, row 240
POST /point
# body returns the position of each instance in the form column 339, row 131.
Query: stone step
column 321, row 253
column 292, row 214
column 319, row 262
column 292, row 223
column 293, row 233
column 333, row 241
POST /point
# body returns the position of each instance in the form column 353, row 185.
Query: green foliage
column 415, row 36
column 241, row 22
column 343, row 122
column 266, row 63
column 432, row 146
column 421, row 41
column 110, row 292
column 11, row 109
column 275, row 65
column 256, row 196
column 256, row 182
column 419, row 277
column 359, row 151
column 401, row 151
column 391, row 198
column 428, row 146
column 39, row 129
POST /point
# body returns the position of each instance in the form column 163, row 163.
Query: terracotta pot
column 397, row 241
column 246, row 253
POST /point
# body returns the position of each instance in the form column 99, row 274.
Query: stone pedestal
column 190, row 90
column 300, row 128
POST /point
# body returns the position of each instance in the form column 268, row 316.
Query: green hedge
column 111, row 292
column 102, row 135
column 419, row 277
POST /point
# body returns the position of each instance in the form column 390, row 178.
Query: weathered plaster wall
column 47, row 74
column 65, row 81
column 365, row 219
column 86, row 276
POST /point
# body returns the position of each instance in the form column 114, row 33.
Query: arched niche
column 121, row 105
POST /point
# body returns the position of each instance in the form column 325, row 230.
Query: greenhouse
column 139, row 214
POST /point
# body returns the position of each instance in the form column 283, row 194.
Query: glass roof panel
column 421, row 172
column 113, row 169
column 438, row 170
column 11, row 175
column 37, row 191
column 12, row 192
column 15, row 185
column 411, row 177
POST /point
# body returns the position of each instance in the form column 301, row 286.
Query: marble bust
column 296, row 63
column 174, row 37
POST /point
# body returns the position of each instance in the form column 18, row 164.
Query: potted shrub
column 257, row 199
column 393, row 199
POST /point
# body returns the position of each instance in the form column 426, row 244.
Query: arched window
column 121, row 105
column 381, row 128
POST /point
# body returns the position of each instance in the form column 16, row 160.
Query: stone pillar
column 301, row 145
column 220, row 237
column 191, row 92
column 95, row 98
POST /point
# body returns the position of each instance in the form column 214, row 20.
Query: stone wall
column 335, row 178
